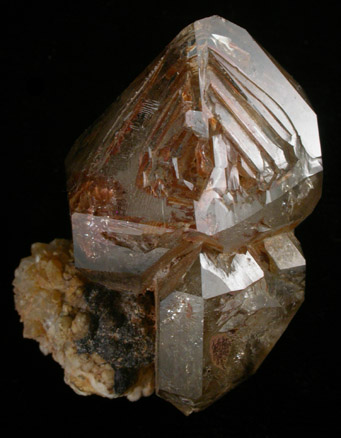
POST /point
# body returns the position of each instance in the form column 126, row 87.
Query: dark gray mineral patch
column 121, row 331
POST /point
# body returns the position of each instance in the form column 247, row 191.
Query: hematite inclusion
column 189, row 187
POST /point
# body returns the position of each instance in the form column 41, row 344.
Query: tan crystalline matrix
column 188, row 188
column 76, row 321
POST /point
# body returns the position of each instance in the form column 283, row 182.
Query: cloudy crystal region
column 189, row 187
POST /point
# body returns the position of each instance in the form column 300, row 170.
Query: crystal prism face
column 224, row 317
column 189, row 186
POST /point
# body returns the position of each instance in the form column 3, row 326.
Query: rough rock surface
column 103, row 340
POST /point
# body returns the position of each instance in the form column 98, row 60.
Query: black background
column 67, row 62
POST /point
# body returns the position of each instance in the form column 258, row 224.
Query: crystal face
column 189, row 187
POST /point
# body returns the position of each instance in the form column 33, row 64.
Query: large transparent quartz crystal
column 188, row 189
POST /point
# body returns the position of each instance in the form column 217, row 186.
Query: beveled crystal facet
column 189, row 186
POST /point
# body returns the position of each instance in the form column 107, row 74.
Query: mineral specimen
column 187, row 189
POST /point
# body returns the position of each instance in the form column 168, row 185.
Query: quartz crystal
column 188, row 189
column 189, row 186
